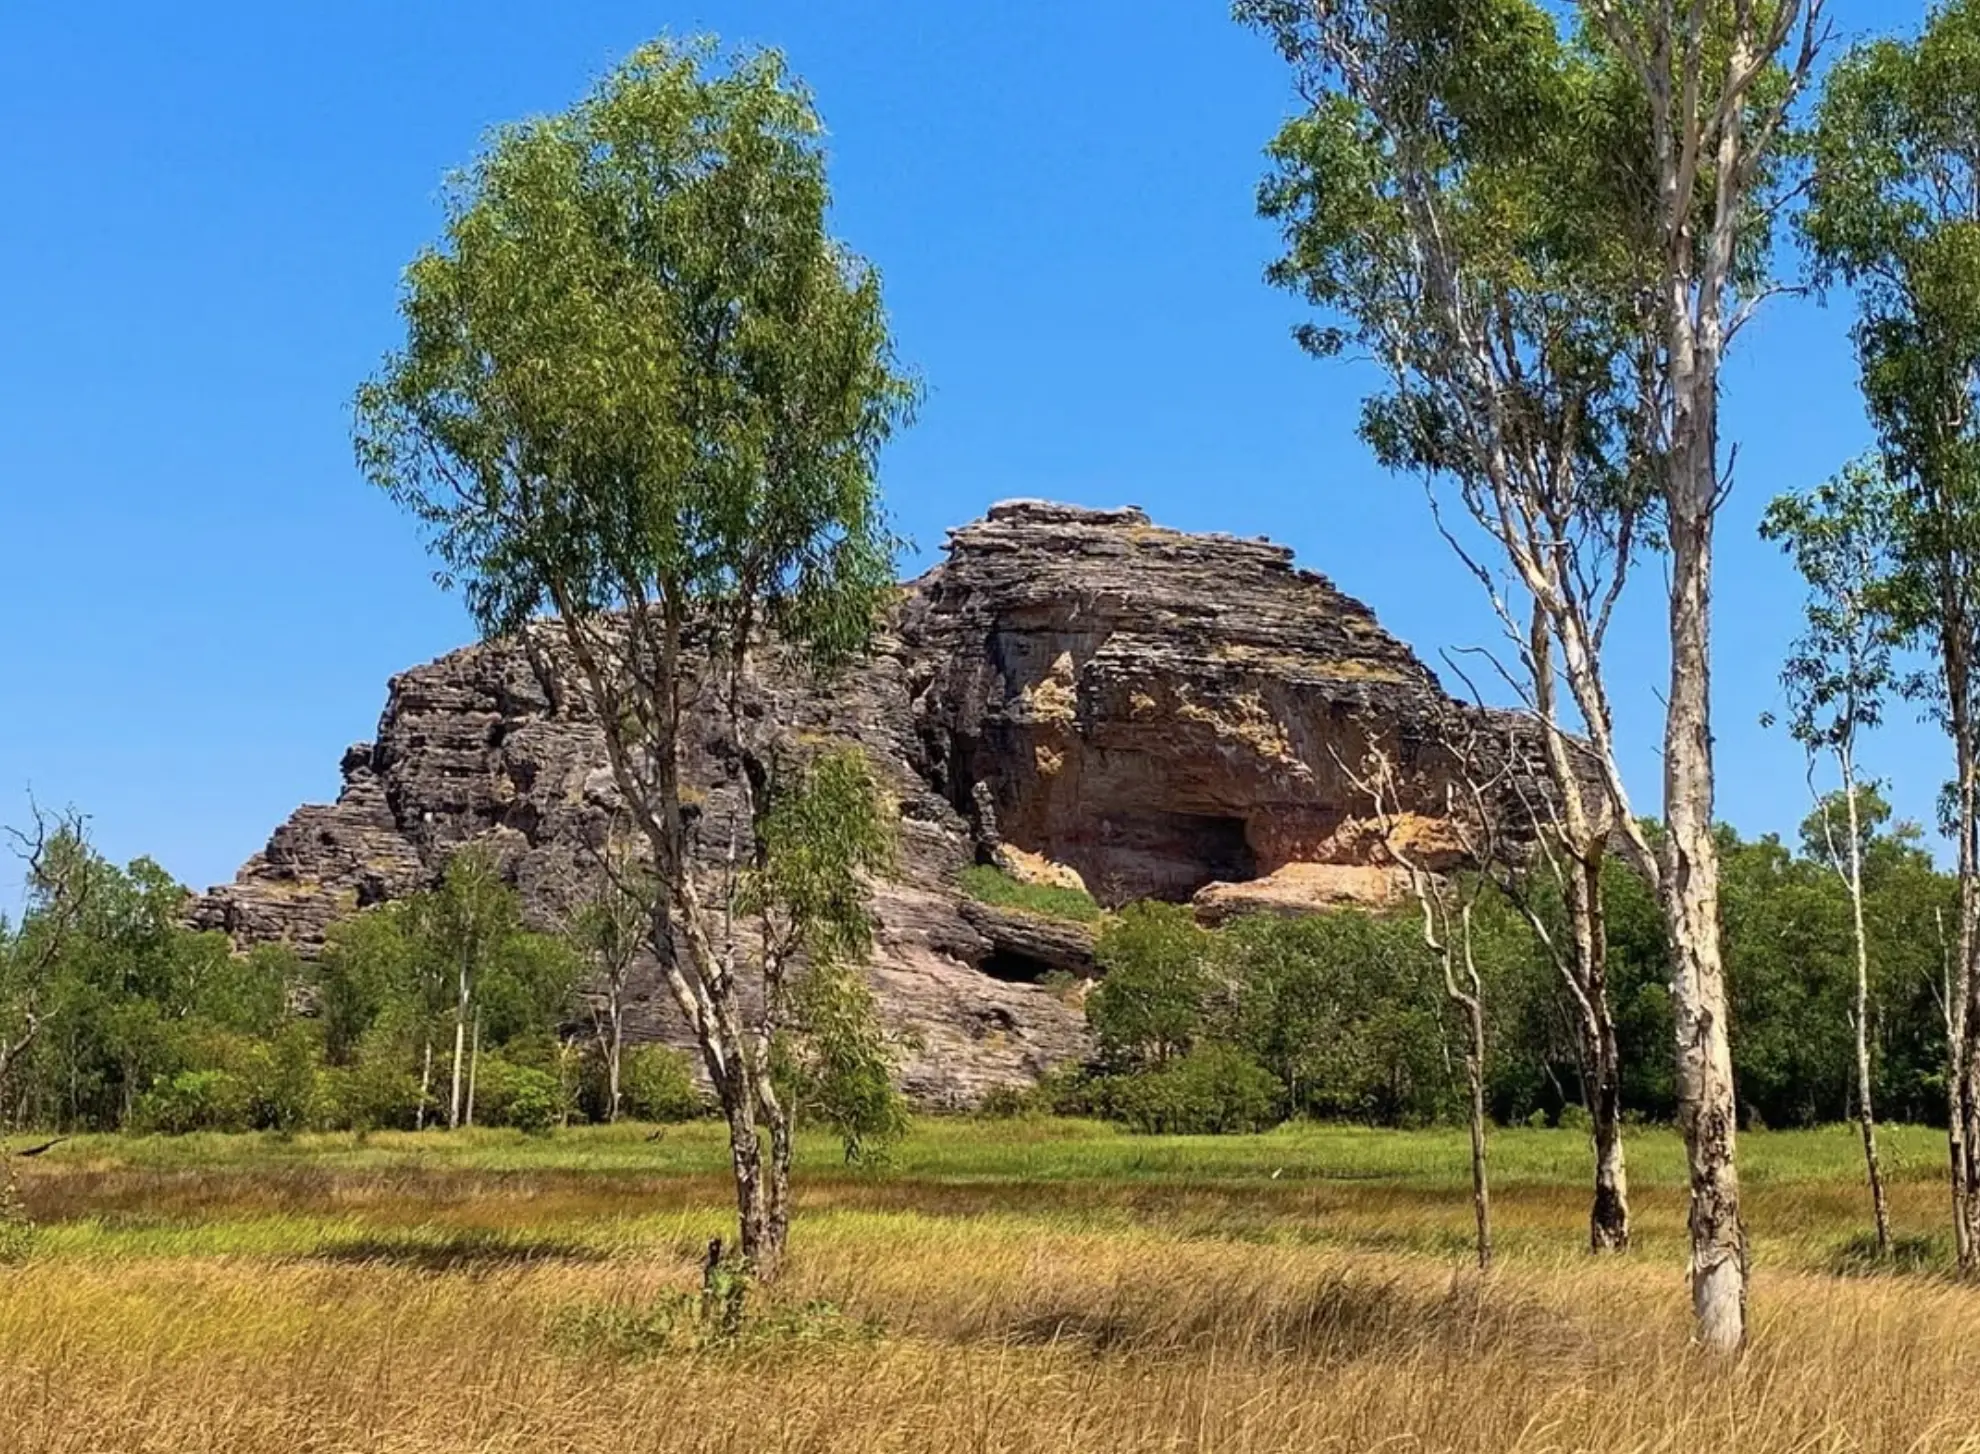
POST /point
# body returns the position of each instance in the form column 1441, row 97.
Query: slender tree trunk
column 615, row 1054
column 1474, row 1074
column 1707, row 1114
column 460, row 1055
column 425, row 1083
column 1608, row 1217
column 1954, row 1010
column 474, row 1067
column 1866, row 1116
column 1963, row 1095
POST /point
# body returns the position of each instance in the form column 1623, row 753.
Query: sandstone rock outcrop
column 1164, row 714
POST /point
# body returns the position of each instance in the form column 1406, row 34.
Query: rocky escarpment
column 1075, row 691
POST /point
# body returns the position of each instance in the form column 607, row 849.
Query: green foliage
column 1346, row 1009
column 657, row 1083
column 1211, row 1089
column 1841, row 537
column 522, row 1096
column 1894, row 213
column 637, row 366
column 988, row 884
column 836, row 1065
column 825, row 833
column 1158, row 969
column 196, row 1100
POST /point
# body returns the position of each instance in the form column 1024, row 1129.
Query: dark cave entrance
column 1014, row 966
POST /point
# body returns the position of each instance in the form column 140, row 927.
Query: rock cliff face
column 1074, row 691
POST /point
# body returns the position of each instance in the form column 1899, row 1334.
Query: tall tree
column 1438, row 199
column 1836, row 677
column 608, row 927
column 1716, row 81
column 1894, row 212
column 643, row 387
column 1548, row 245
column 59, row 864
column 468, row 922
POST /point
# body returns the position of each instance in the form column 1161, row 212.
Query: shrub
column 1213, row 1090
column 197, row 1100
column 507, row 1094
column 1158, row 965
column 373, row 1095
column 656, row 1083
column 990, row 885
column 536, row 1102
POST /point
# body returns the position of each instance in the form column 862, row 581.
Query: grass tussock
column 330, row 1300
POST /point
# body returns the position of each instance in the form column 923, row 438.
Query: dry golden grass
column 317, row 1306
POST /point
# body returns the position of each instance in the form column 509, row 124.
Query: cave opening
column 1014, row 966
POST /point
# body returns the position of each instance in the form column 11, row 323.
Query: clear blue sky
column 207, row 211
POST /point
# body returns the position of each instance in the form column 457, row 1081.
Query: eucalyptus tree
column 1437, row 200
column 1894, row 213
column 644, row 388
column 608, row 927
column 1547, row 242
column 1837, row 677
column 467, row 923
column 59, row 869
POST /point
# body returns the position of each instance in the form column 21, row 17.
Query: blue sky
column 208, row 208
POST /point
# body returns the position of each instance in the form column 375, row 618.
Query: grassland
column 1000, row 1286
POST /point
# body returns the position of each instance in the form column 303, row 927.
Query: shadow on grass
column 1907, row 1257
column 1341, row 1319
column 469, row 1250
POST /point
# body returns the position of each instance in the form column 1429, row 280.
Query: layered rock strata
column 1071, row 692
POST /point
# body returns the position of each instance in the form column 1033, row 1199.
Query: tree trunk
column 1954, row 1008
column 474, row 1067
column 1608, row 1216
column 1707, row 1114
column 425, row 1084
column 614, row 1055
column 1608, row 1219
column 460, row 1057
column 1474, row 1073
column 1866, row 1116
column 746, row 1160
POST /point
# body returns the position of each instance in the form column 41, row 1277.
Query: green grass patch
column 990, row 885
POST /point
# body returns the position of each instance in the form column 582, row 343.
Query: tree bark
column 1707, row 1113
column 425, row 1084
column 460, row 1056
column 474, row 1067
column 1865, row 1114
column 1608, row 1216
column 1474, row 1073
column 614, row 1054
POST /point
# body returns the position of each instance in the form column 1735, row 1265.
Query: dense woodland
column 145, row 1025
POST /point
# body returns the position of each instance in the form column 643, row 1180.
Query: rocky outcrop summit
column 1072, row 692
